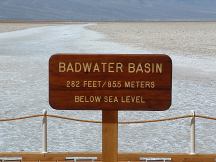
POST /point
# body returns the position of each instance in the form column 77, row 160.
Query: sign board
column 110, row 82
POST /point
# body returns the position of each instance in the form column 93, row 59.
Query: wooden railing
column 95, row 157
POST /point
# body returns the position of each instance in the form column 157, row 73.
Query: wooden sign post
column 109, row 136
column 110, row 82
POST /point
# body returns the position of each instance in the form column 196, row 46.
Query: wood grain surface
column 110, row 82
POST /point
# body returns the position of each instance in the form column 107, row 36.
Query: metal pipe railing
column 193, row 133
column 44, row 136
column 45, row 116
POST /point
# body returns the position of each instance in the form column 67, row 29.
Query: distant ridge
column 108, row 10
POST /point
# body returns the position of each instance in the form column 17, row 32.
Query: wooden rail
column 96, row 156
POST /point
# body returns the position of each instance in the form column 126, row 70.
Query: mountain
column 108, row 10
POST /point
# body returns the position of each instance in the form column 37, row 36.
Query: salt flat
column 24, row 85
column 182, row 38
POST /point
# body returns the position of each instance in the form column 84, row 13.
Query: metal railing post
column 193, row 133
column 44, row 136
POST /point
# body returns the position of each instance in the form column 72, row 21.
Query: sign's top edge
column 116, row 54
column 112, row 54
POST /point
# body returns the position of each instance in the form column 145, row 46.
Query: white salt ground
column 24, row 58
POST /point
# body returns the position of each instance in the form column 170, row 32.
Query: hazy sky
column 108, row 10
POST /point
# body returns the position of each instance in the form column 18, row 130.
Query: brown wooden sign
column 110, row 82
